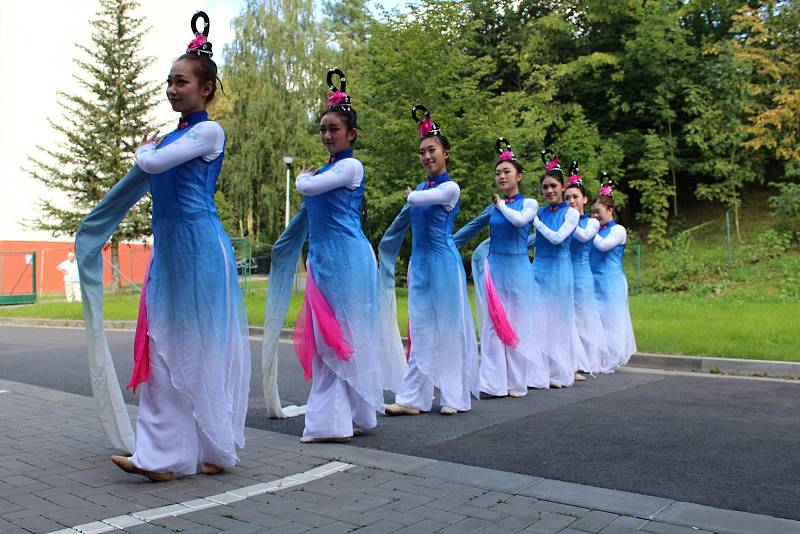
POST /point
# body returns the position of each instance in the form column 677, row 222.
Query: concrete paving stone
column 634, row 523
column 714, row 519
column 475, row 476
column 219, row 518
column 20, row 481
column 666, row 528
column 28, row 512
column 390, row 461
column 515, row 509
column 550, row 523
column 414, row 489
column 426, row 526
column 442, row 516
column 480, row 513
column 296, row 515
column 290, row 528
column 178, row 524
column 147, row 528
column 367, row 502
column 380, row 514
column 37, row 523
column 597, row 498
column 384, row 526
column 489, row 499
column 594, row 521
column 337, row 527
column 56, row 480
column 29, row 500
column 512, row 523
column 450, row 501
column 469, row 524
column 611, row 529
column 558, row 508
column 255, row 517
column 123, row 521
column 404, row 502
column 144, row 500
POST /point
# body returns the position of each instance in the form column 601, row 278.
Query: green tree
column 274, row 69
column 101, row 126
column 654, row 190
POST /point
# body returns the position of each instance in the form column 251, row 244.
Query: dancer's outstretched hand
column 495, row 199
column 408, row 191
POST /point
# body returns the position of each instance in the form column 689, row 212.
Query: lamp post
column 287, row 160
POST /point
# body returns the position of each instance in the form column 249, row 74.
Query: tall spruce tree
column 100, row 126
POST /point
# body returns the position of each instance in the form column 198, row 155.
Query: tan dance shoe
column 358, row 430
column 555, row 385
column 516, row 394
column 211, row 469
column 123, row 463
column 447, row 410
column 579, row 377
column 331, row 439
column 399, row 409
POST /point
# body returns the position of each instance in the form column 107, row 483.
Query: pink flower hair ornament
column 503, row 148
column 574, row 179
column 506, row 155
column 426, row 124
column 338, row 99
column 605, row 191
column 200, row 44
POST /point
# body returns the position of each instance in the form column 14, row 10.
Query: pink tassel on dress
column 316, row 307
column 141, row 341
column 498, row 315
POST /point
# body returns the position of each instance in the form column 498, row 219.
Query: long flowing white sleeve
column 519, row 218
column 556, row 237
column 348, row 172
column 587, row 234
column 445, row 194
column 617, row 236
column 205, row 139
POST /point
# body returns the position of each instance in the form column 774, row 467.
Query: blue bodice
column 185, row 192
column 607, row 262
column 507, row 238
column 335, row 214
column 580, row 251
column 432, row 225
column 553, row 218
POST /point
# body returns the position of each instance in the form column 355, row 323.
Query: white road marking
column 221, row 499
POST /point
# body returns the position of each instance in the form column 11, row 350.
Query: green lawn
column 764, row 328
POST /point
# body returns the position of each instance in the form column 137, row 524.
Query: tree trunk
column 672, row 170
column 115, row 284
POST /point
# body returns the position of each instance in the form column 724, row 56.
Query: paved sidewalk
column 55, row 475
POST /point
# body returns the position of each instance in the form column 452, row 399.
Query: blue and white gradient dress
column 192, row 408
column 611, row 288
column 443, row 348
column 587, row 311
column 555, row 294
column 342, row 263
column 505, row 368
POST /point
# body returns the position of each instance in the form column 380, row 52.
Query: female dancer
column 610, row 283
column 193, row 352
column 587, row 314
column 337, row 337
column 443, row 351
column 552, row 269
column 510, row 351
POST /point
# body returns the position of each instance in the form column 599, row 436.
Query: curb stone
column 646, row 360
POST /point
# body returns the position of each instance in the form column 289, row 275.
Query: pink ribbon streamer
column 316, row 307
column 141, row 340
column 498, row 315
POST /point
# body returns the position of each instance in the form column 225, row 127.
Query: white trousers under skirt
column 502, row 369
column 167, row 435
column 333, row 406
column 416, row 391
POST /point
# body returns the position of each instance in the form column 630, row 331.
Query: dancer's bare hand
column 495, row 199
column 150, row 136
column 408, row 191
column 307, row 169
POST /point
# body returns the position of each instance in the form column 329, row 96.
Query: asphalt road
column 726, row 442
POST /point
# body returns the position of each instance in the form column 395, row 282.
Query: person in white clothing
column 72, row 285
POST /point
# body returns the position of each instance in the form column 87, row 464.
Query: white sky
column 37, row 46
